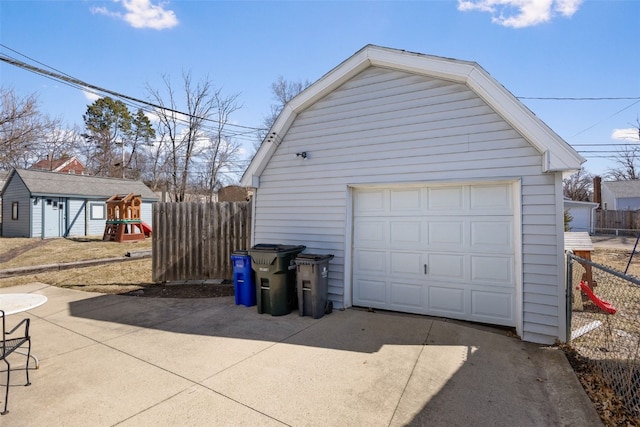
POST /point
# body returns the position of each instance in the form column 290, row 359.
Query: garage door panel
column 371, row 292
column 493, row 306
column 446, row 301
column 371, row 233
column 407, row 296
column 491, row 198
column 446, row 266
column 368, row 262
column 446, row 198
column 494, row 270
column 495, row 236
column 405, row 234
column 404, row 201
column 406, row 263
column 370, row 201
column 443, row 232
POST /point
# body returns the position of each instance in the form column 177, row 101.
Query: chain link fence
column 605, row 325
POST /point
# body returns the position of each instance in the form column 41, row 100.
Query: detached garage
column 436, row 190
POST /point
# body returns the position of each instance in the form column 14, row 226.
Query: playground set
column 581, row 245
column 124, row 223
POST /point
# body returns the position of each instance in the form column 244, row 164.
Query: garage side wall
column 389, row 127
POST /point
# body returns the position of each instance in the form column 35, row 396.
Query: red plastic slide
column 146, row 229
column 604, row 305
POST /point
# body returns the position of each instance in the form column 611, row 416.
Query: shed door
column 438, row 250
column 53, row 216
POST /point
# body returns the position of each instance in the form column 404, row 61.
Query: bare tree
column 578, row 186
column 627, row 164
column 627, row 160
column 27, row 136
column 20, row 128
column 222, row 151
column 283, row 91
column 185, row 139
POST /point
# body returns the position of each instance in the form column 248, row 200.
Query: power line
column 556, row 98
column 77, row 83
column 612, row 115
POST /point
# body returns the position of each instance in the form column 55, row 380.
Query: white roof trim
column 557, row 154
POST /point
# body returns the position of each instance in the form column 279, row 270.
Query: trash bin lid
column 268, row 247
column 312, row 258
column 241, row 252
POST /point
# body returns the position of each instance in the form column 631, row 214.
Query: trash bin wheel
column 328, row 308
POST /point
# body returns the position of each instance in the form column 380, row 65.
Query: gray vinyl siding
column 16, row 191
column 390, row 127
column 95, row 227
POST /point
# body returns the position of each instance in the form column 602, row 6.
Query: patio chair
column 10, row 345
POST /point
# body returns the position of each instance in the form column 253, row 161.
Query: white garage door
column 441, row 250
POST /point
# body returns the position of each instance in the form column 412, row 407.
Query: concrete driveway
column 118, row 360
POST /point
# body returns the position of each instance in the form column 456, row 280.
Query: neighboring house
column 435, row 189
column 49, row 204
column 582, row 214
column 64, row 165
column 234, row 193
column 621, row 195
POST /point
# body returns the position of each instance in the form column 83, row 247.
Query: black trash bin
column 275, row 277
column 243, row 283
column 312, row 282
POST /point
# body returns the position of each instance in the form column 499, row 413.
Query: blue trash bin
column 243, row 283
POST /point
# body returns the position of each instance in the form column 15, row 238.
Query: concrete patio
column 110, row 360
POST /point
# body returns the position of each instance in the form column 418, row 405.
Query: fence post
column 568, row 294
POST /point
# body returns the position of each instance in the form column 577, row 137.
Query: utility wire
column 83, row 84
column 554, row 98
column 238, row 134
column 612, row 115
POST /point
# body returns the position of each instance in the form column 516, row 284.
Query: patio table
column 17, row 303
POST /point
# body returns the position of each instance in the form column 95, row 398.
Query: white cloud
column 91, row 96
column 142, row 14
column 521, row 13
column 630, row 134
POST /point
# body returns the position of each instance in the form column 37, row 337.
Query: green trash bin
column 312, row 284
column 275, row 277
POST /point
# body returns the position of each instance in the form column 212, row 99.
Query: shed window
column 14, row 210
column 96, row 210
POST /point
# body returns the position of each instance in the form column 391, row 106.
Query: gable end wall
column 16, row 191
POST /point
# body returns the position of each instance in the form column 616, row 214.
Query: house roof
column 558, row 155
column 568, row 203
column 54, row 165
column 623, row 189
column 43, row 183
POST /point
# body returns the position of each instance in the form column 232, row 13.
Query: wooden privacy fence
column 610, row 222
column 194, row 240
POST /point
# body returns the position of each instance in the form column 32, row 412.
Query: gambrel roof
column 42, row 183
column 558, row 155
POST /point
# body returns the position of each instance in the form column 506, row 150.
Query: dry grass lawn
column 109, row 278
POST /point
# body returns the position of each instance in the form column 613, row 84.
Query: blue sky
column 535, row 48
